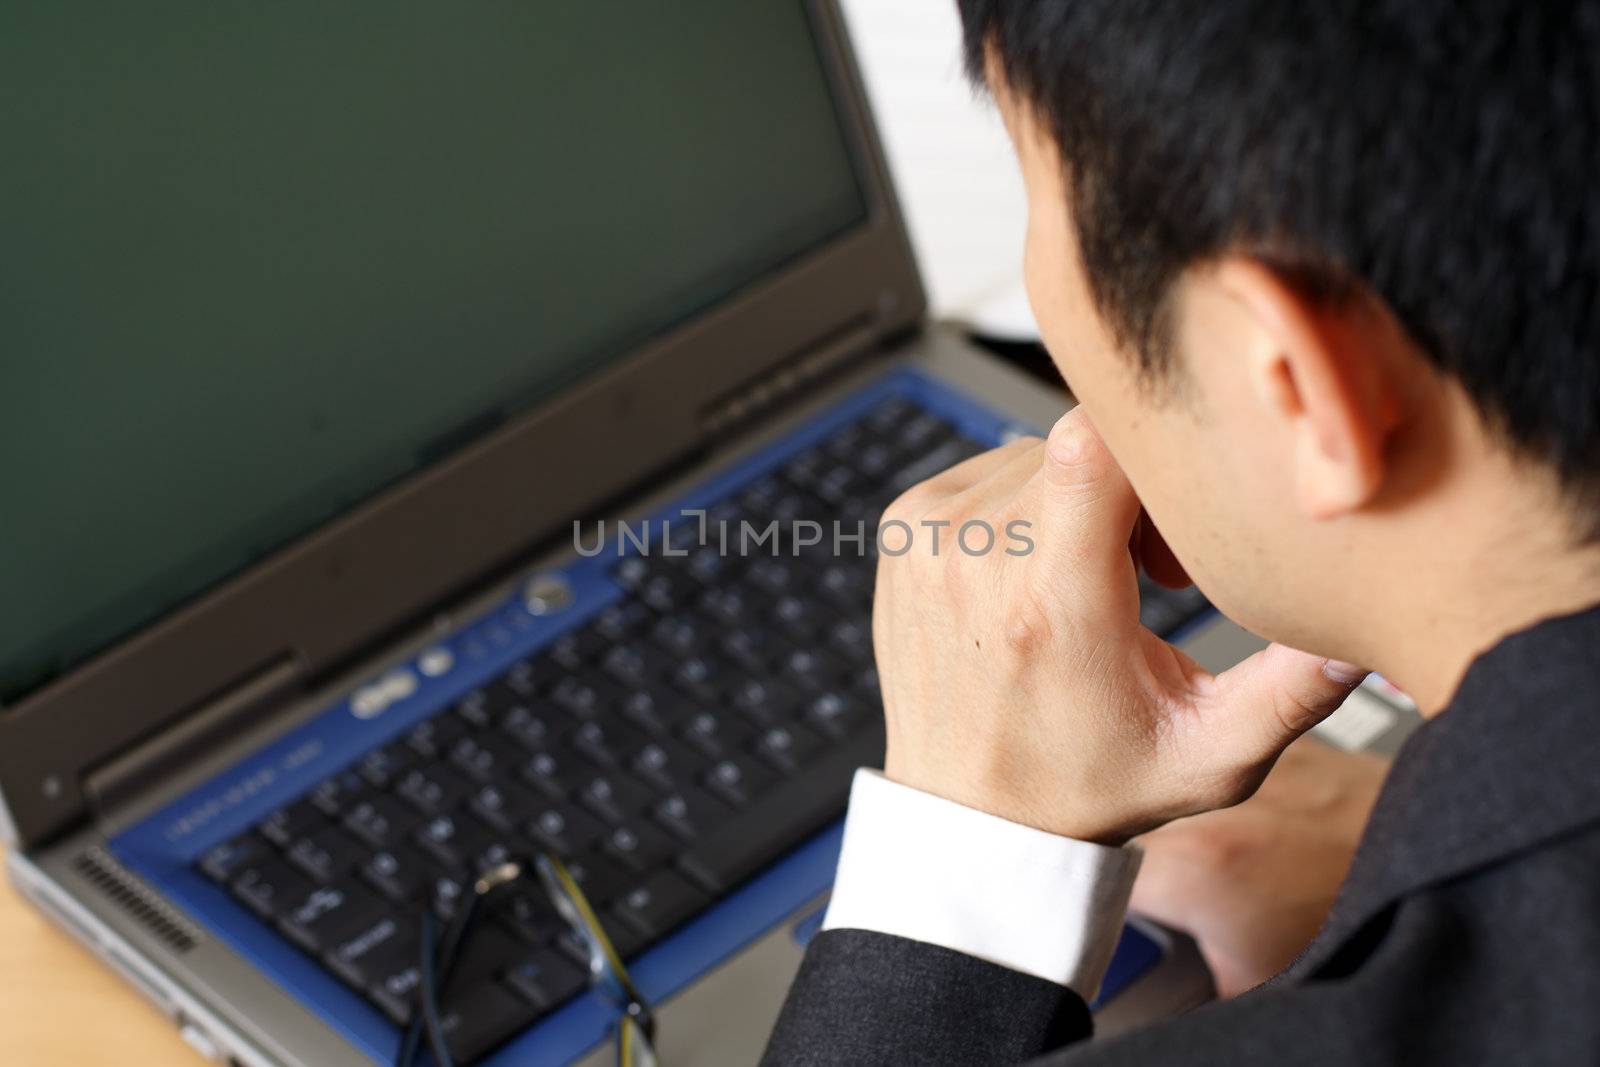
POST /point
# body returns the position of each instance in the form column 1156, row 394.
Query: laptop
column 378, row 392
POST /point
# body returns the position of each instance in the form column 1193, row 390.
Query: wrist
column 1009, row 797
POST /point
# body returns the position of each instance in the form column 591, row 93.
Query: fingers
column 927, row 495
column 1278, row 694
column 1085, row 504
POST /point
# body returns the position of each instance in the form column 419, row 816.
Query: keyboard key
column 847, row 443
column 835, row 713
column 556, row 775
column 922, row 431
column 504, row 806
column 632, row 572
column 765, row 702
column 655, row 712
column 325, row 855
column 473, row 710
column 667, row 591
column 665, row 764
column 267, row 887
column 755, row 650
column 397, row 873
column 334, row 795
column 775, row 576
column 846, row 586
column 890, row 414
column 788, row 748
column 573, row 651
column 763, row 494
column 637, row 846
column 605, row 744
column 851, row 641
column 705, row 563
column 619, row 622
column 384, row 945
column 714, row 736
column 730, row 606
column 737, row 780
column 225, row 861
column 452, row 840
column 875, row 461
column 688, row 813
column 480, row 756
column 486, row 1015
column 613, row 797
column 545, row 979
column 600, row 877
column 793, row 810
column 520, row 682
column 813, row 669
column 527, row 727
column 564, row 831
column 801, row 618
column 446, row 892
column 381, row 766
column 326, row 915
column 700, row 677
column 381, row 821
column 530, row 915
column 634, row 664
column 660, row 903
column 432, row 738
column 585, row 698
column 680, row 635
column 926, row 465
column 395, row 993
column 497, row 853
column 286, row 824
column 432, row 790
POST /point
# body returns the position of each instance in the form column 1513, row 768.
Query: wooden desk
column 60, row 1007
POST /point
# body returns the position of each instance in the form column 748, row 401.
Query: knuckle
column 1026, row 628
column 908, row 507
column 1295, row 711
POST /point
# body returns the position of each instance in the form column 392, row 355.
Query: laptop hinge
column 806, row 368
column 226, row 716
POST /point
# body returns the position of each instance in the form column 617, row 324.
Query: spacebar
column 784, row 817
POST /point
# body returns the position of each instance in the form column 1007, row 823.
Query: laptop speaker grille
column 112, row 879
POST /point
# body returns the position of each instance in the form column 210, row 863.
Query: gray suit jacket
column 1467, row 932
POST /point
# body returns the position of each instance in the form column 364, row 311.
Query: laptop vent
column 126, row 892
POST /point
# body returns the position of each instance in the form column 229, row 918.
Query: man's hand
column 1024, row 686
column 1253, row 884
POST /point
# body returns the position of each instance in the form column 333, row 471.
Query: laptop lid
column 314, row 316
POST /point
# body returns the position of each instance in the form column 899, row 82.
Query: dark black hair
column 1443, row 155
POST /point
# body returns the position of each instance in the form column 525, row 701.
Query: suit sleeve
column 865, row 998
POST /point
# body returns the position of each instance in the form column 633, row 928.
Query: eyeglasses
column 442, row 949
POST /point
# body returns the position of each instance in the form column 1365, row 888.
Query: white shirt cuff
column 922, row 867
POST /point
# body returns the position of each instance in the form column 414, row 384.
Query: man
column 1324, row 279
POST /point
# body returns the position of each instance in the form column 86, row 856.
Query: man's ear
column 1325, row 370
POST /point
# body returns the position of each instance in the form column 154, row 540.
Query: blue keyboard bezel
column 163, row 847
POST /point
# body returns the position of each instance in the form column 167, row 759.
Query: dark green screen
column 258, row 260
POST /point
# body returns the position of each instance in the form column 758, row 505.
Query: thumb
column 1087, row 505
column 1278, row 694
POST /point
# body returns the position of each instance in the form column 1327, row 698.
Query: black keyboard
column 668, row 749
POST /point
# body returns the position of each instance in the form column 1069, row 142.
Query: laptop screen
column 258, row 261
